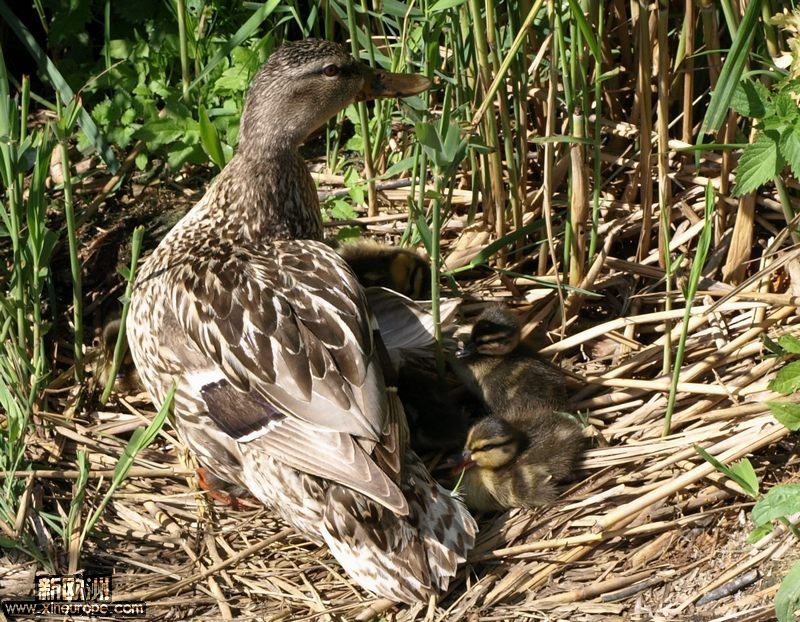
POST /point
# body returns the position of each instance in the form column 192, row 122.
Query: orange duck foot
column 212, row 484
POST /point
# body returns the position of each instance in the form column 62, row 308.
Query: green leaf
column 786, row 413
column 749, row 100
column 429, row 139
column 140, row 439
column 247, row 30
column 759, row 532
column 780, row 501
column 789, row 146
column 787, row 600
column 758, row 164
column 209, row 138
column 785, row 107
column 732, row 70
column 46, row 65
column 790, row 343
column 733, row 472
column 745, row 472
column 443, row 5
column 586, row 30
column 787, row 380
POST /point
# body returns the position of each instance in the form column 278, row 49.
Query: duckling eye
column 330, row 71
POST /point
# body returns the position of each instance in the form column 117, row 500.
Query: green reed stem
column 183, row 44
column 119, row 347
column 363, row 118
column 72, row 239
column 701, row 252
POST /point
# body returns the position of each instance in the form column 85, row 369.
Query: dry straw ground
column 644, row 531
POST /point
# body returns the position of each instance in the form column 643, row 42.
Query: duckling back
column 380, row 265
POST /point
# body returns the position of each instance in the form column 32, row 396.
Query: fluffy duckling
column 380, row 265
column 515, row 461
column 500, row 370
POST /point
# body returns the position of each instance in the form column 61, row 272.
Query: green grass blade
column 119, row 347
column 731, row 71
column 140, row 439
column 60, row 84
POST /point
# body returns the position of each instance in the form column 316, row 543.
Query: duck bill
column 467, row 350
column 378, row 84
column 462, row 462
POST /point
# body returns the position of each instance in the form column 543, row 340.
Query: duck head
column 305, row 83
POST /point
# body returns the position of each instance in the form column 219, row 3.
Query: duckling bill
column 271, row 344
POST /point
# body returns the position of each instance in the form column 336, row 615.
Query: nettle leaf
column 785, row 107
column 759, row 163
column 748, row 100
column 787, row 380
column 790, row 344
column 787, row 600
column 781, row 500
column 789, row 146
column 786, row 413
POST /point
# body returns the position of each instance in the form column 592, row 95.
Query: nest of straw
column 648, row 530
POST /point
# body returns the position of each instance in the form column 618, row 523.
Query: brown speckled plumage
column 271, row 343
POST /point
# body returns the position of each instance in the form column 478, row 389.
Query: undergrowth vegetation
column 557, row 133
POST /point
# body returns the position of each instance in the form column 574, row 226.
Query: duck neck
column 265, row 198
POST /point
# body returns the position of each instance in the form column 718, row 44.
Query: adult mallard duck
column 274, row 351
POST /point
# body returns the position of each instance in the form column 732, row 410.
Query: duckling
column 380, row 265
column 501, row 371
column 515, row 461
column 272, row 350
column 127, row 378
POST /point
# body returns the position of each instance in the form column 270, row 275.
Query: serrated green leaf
column 758, row 164
column 748, row 100
column 790, row 343
column 787, row 380
column 785, row 107
column 789, row 146
column 786, row 413
column 781, row 500
column 787, row 600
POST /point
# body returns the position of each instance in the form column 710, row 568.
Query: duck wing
column 288, row 363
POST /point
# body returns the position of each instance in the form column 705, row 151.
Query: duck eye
column 330, row 71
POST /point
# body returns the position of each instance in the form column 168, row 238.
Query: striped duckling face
column 495, row 333
column 492, row 443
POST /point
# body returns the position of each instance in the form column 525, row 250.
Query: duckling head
column 492, row 443
column 306, row 82
column 496, row 332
